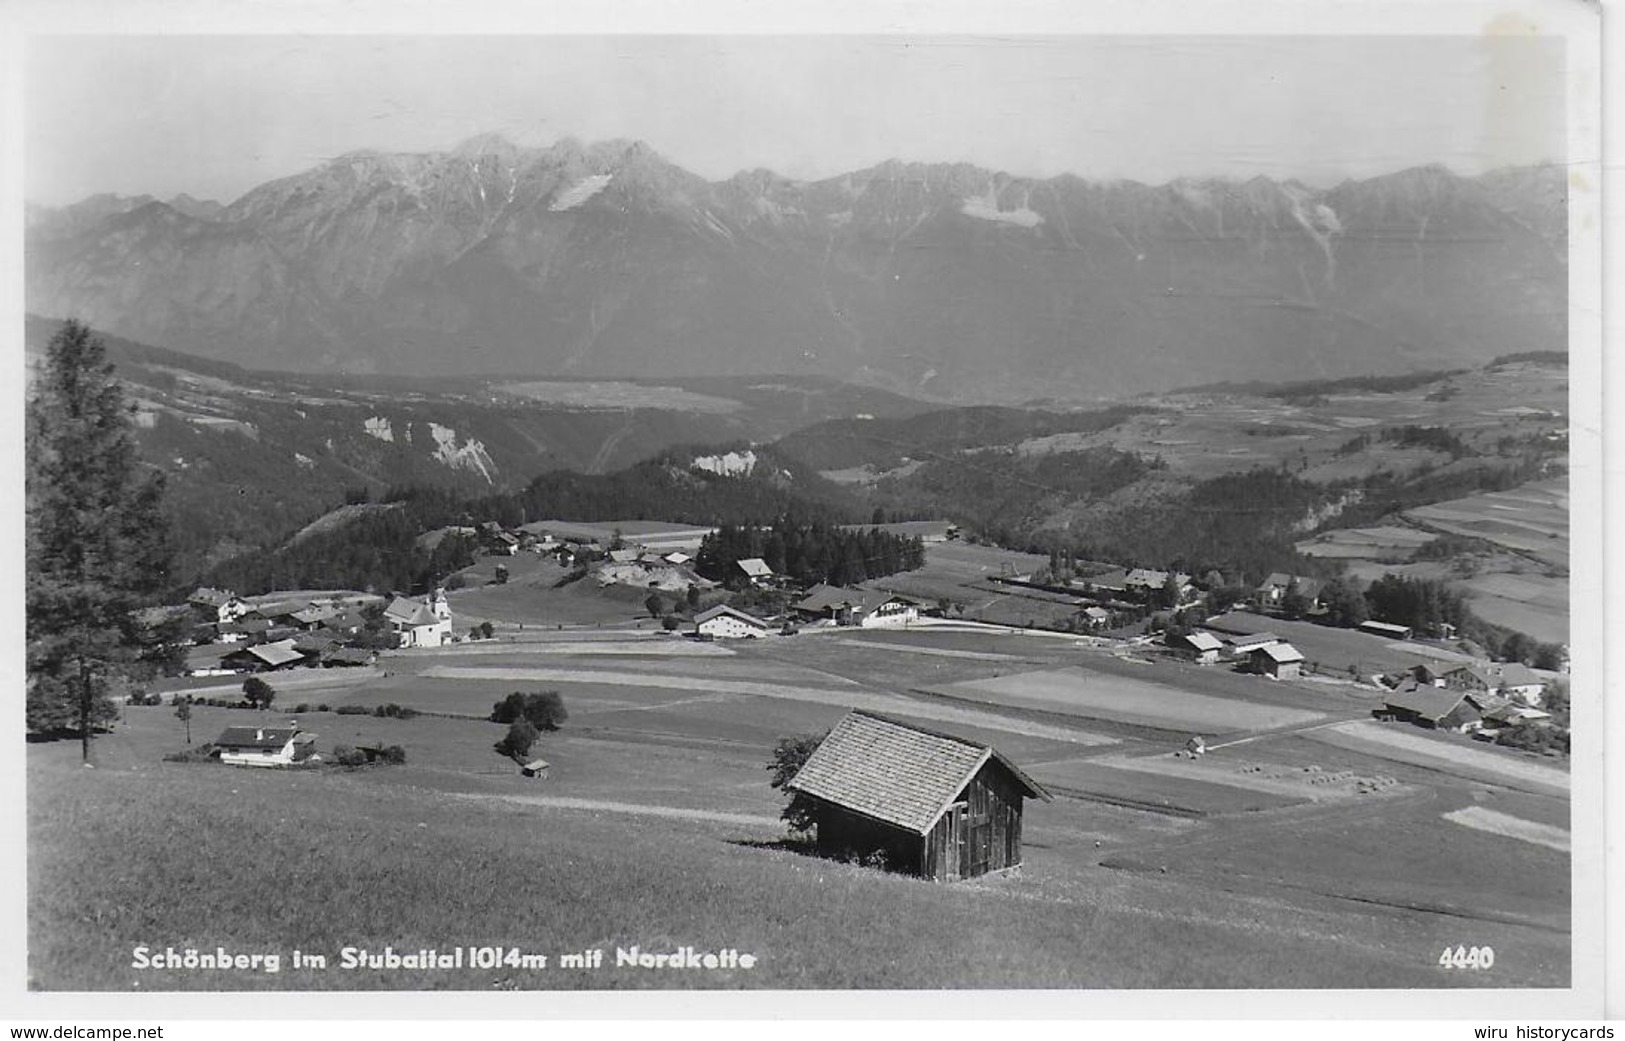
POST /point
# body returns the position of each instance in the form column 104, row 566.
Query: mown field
column 656, row 827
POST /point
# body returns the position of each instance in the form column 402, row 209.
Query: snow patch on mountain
column 730, row 464
column 379, row 427
column 986, row 207
column 470, row 456
column 304, row 460
column 580, row 192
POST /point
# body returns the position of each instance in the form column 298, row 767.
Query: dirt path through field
column 892, row 703
column 604, row 806
column 1479, row 818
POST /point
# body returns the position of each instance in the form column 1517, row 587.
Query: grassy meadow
column 656, row 827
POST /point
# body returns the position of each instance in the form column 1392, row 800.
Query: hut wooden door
column 977, row 829
column 953, row 846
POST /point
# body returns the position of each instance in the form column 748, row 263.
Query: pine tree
column 97, row 545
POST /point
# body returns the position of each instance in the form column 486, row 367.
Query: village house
column 314, row 615
column 346, row 657
column 265, row 746
column 1509, row 715
column 1280, row 661
column 280, row 613
column 756, row 571
column 220, row 606
column 345, row 623
column 1201, row 647
column 1510, row 680
column 725, row 623
column 1096, row 617
column 1437, row 708
column 867, row 608
column 264, row 657
column 419, row 622
column 925, row 802
column 1274, row 589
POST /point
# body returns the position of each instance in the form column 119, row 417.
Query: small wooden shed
column 934, row 805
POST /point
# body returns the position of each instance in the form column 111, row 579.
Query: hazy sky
column 214, row 116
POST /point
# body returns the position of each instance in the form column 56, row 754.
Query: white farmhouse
column 264, row 746
column 725, row 623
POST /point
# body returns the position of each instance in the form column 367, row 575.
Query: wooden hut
column 932, row 804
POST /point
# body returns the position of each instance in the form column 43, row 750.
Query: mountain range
column 947, row 282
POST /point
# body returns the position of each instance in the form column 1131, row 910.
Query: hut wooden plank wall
column 934, row 804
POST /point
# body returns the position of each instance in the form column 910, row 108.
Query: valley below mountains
column 942, row 282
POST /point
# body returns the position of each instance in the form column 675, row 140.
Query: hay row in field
column 1404, row 744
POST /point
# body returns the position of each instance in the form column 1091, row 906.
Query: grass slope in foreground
column 260, row 861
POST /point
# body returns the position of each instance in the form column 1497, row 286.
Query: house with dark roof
column 264, row 746
column 725, row 623
column 934, row 805
column 346, row 657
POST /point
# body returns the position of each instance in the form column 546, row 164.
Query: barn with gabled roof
column 935, row 805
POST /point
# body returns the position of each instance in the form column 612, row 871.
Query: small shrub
column 354, row 710
column 486, row 630
column 394, row 711
column 394, row 755
column 344, row 755
column 302, row 707
column 671, row 623
column 323, row 708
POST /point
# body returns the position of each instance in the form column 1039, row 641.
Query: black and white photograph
column 1083, row 503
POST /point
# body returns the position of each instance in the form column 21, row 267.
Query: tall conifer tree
column 97, row 545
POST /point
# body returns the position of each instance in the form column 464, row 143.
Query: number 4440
column 1467, row 957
